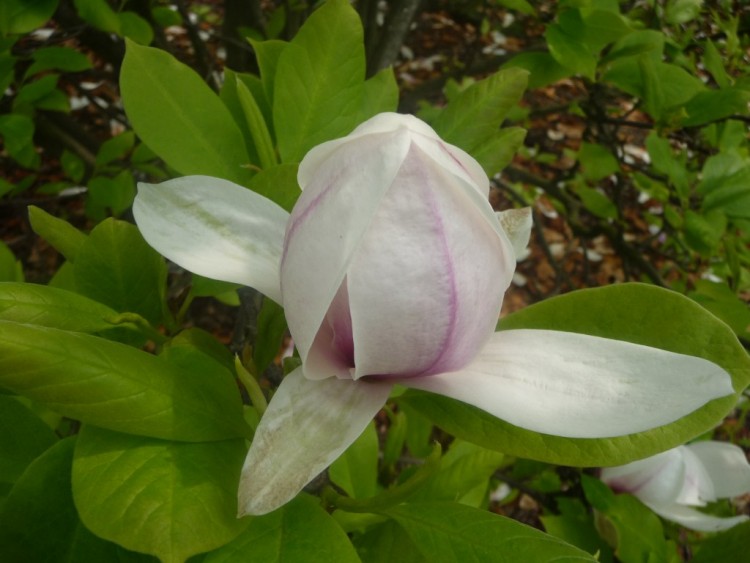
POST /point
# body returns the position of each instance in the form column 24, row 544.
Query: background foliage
column 630, row 142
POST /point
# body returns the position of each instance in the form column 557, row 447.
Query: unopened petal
column 656, row 479
column 307, row 425
column 581, row 386
column 427, row 283
column 214, row 228
column 694, row 519
column 327, row 226
column 726, row 464
column 697, row 487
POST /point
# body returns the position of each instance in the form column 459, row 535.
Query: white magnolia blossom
column 672, row 482
column 391, row 269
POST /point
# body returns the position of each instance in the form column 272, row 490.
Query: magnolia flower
column 671, row 482
column 391, row 269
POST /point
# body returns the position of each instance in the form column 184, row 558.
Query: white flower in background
column 672, row 482
column 392, row 269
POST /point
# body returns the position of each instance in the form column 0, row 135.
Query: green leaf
column 168, row 499
column 636, row 43
column 703, row 233
column 319, row 81
column 633, row 531
column 543, row 68
column 722, row 302
column 603, row 27
column 110, row 196
column 63, row 236
column 72, row 165
column 115, row 148
column 356, row 470
column 597, row 162
column 682, row 11
column 135, row 27
column 299, row 531
column 463, row 468
column 714, row 63
column 58, row 58
column 663, row 160
column 726, row 546
column 228, row 95
column 475, row 116
column 24, row 438
column 714, row 105
column 118, row 387
column 388, row 542
column 279, row 184
column 268, row 54
column 380, row 94
column 11, row 269
column 22, row 16
column 39, row 522
column 256, row 124
column 99, row 14
column 17, row 132
column 570, row 51
column 271, row 329
column 463, row 534
column 575, row 525
column 116, row 267
column 194, row 134
column 597, row 202
column 51, row 307
column 632, row 312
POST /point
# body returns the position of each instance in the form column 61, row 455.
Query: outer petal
column 657, row 479
column 580, row 386
column 308, row 424
column 517, row 225
column 697, row 488
column 695, row 520
column 427, row 283
column 726, row 464
column 328, row 223
column 214, row 228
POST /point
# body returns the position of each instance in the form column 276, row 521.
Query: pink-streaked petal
column 517, row 224
column 426, row 285
column 694, row 519
column 581, row 386
column 307, row 425
column 214, row 228
column 386, row 122
column 726, row 464
column 328, row 223
column 656, row 479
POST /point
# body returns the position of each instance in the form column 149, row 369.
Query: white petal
column 726, row 464
column 581, row 386
column 517, row 225
column 697, row 488
column 328, row 223
column 695, row 520
column 386, row 122
column 427, row 283
column 307, row 425
column 657, row 479
column 214, row 228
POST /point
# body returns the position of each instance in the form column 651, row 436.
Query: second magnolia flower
column 392, row 269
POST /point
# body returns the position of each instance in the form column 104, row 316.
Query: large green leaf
column 462, row 534
column 48, row 306
column 380, row 94
column 319, row 81
column 169, row 499
column 279, row 184
column 179, row 117
column 118, row 387
column 39, row 522
column 116, row 267
column 637, row 313
column 24, row 437
column 299, row 531
column 475, row 116
column 727, row 546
